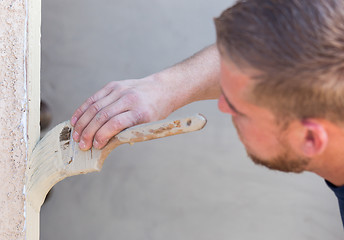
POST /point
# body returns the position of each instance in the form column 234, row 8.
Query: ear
column 314, row 138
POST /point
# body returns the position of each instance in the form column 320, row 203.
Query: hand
column 123, row 104
column 119, row 105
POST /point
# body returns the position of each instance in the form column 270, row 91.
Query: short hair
column 297, row 45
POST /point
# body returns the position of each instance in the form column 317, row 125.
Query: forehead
column 237, row 84
column 235, row 81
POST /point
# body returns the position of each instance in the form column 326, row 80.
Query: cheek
column 242, row 130
column 256, row 139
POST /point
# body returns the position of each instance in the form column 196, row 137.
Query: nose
column 223, row 106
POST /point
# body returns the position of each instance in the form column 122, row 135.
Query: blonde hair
column 297, row 45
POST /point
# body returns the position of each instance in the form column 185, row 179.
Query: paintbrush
column 58, row 156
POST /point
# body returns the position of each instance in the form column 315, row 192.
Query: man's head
column 285, row 58
column 298, row 46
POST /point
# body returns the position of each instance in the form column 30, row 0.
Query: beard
column 283, row 162
column 287, row 161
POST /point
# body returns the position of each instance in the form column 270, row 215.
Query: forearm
column 122, row 104
column 194, row 79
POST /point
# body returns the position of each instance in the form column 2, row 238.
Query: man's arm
column 122, row 104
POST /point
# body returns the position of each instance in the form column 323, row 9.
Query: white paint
column 32, row 72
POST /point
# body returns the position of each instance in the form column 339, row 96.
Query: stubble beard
column 282, row 163
column 287, row 161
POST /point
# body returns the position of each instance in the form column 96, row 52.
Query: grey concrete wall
column 198, row 186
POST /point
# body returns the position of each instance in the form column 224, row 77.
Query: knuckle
column 102, row 117
column 79, row 127
column 95, row 107
column 116, row 124
column 146, row 116
column 90, row 100
column 83, row 107
column 139, row 117
column 131, row 97
column 78, row 112
column 111, row 85
column 86, row 135
column 100, row 139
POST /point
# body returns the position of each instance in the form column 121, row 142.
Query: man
column 277, row 68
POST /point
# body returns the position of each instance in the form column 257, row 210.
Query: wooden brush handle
column 155, row 130
column 57, row 156
column 160, row 129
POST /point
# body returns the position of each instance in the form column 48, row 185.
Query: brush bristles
column 54, row 158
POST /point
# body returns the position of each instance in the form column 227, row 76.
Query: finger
column 91, row 112
column 115, row 125
column 118, row 107
column 91, row 100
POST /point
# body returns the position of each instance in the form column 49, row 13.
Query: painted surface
column 12, row 119
column 33, row 58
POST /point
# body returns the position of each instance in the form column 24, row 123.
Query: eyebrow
column 230, row 104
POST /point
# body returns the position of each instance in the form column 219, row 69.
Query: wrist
column 173, row 88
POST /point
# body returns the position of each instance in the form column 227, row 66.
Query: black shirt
column 339, row 191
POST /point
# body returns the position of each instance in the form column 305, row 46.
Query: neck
column 330, row 166
column 335, row 175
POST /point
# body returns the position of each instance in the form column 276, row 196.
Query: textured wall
column 12, row 119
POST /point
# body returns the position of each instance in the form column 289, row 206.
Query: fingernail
column 76, row 136
column 95, row 144
column 82, row 145
column 73, row 121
